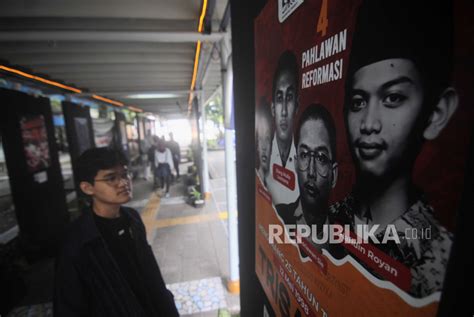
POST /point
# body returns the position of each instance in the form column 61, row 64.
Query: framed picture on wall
column 35, row 143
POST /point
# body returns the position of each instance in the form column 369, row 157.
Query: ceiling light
column 160, row 95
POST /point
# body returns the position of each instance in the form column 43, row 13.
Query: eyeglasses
column 322, row 162
column 114, row 179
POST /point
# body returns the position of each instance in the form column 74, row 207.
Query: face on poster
column 357, row 120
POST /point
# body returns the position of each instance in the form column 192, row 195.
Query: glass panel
column 8, row 222
column 64, row 157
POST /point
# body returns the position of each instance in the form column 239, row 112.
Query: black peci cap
column 416, row 30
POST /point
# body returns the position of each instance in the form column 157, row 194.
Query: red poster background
column 439, row 169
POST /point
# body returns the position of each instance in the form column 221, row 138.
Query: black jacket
column 88, row 281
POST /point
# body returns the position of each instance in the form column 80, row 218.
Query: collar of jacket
column 87, row 227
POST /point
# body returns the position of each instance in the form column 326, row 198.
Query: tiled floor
column 191, row 246
column 41, row 310
column 199, row 295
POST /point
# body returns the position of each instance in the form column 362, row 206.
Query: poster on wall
column 103, row 131
column 35, row 143
column 363, row 121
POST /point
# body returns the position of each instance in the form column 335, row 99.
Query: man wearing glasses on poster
column 316, row 168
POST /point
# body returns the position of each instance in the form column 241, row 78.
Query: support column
column 233, row 284
column 204, row 167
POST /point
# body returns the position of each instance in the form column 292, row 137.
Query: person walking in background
column 163, row 163
column 176, row 152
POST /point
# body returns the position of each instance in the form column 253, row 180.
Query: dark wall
column 459, row 274
column 79, row 131
column 243, row 14
column 121, row 141
column 33, row 167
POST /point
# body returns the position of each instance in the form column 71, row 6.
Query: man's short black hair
column 93, row 160
column 287, row 62
column 318, row 112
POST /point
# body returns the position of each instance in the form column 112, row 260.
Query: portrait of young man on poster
column 316, row 167
column 263, row 139
column 282, row 180
column 398, row 96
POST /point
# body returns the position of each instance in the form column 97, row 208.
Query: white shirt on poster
column 282, row 194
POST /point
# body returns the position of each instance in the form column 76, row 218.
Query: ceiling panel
column 120, row 67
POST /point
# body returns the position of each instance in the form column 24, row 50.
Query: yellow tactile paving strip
column 149, row 214
column 152, row 207
column 168, row 222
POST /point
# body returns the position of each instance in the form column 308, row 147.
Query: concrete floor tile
column 197, row 250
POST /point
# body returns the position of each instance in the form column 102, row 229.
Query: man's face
column 112, row 186
column 264, row 140
column 315, row 167
column 161, row 146
column 284, row 105
column 383, row 111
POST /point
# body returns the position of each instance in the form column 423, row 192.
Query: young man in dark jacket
column 106, row 267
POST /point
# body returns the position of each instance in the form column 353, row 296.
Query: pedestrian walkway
column 191, row 246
